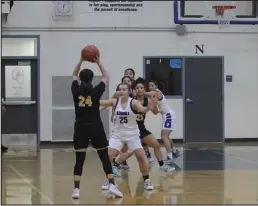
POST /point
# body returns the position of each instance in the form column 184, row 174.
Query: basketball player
column 88, row 125
column 128, row 80
column 131, row 73
column 168, row 118
column 126, row 129
column 145, row 135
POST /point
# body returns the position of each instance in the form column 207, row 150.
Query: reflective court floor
column 226, row 175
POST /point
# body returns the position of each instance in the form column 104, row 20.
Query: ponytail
column 86, row 85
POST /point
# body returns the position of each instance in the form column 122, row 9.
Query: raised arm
column 77, row 69
column 104, row 72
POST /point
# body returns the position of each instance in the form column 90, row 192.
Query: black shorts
column 84, row 132
column 144, row 133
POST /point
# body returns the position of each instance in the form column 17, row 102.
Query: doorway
column 203, row 100
column 20, row 91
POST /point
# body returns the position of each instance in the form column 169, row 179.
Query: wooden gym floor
column 227, row 175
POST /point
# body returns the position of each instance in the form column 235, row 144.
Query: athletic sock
column 111, row 181
column 77, row 184
column 146, row 177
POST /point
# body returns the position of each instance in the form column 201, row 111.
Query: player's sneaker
column 176, row 153
column 169, row 160
column 105, row 186
column 148, row 185
column 124, row 166
column 167, row 168
column 76, row 193
column 116, row 172
column 113, row 190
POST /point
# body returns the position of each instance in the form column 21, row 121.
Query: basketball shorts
column 144, row 133
column 169, row 121
column 133, row 142
column 86, row 132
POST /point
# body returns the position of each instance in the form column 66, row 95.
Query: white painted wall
column 60, row 51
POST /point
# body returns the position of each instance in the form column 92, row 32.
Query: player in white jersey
column 126, row 131
column 168, row 120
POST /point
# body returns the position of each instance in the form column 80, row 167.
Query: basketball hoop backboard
column 203, row 12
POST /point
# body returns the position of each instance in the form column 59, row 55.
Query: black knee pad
column 80, row 157
column 103, row 155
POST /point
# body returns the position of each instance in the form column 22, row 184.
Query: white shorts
column 169, row 121
column 133, row 142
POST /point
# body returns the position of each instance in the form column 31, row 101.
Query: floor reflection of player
column 3, row 149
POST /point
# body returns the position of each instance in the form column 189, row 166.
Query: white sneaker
column 105, row 186
column 148, row 185
column 113, row 190
column 150, row 159
column 167, row 168
column 76, row 193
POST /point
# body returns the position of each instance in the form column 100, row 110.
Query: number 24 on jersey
column 83, row 102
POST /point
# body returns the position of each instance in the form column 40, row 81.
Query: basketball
column 89, row 53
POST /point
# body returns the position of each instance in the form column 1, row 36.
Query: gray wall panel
column 63, row 119
column 62, row 124
column 61, row 91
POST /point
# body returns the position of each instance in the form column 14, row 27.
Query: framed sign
column 17, row 83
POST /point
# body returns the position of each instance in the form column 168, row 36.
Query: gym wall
column 124, row 39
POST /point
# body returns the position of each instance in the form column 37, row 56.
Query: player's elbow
column 105, row 79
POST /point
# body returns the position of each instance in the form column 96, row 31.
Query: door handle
column 188, row 100
column 19, row 102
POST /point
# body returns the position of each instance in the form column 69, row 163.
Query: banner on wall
column 17, row 83
column 115, row 6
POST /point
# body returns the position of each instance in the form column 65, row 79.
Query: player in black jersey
column 88, row 125
column 145, row 135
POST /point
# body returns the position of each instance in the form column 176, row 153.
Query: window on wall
column 167, row 72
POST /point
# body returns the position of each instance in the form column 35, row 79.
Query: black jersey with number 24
column 86, row 101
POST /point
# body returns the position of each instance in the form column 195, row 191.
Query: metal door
column 203, row 105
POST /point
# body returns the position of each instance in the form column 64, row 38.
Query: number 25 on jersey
column 83, row 102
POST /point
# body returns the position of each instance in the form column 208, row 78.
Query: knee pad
column 103, row 155
column 80, row 158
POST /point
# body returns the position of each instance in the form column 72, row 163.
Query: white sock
column 170, row 155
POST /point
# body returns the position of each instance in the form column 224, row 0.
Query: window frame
column 145, row 58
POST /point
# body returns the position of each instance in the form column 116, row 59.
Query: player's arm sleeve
column 74, row 86
column 100, row 89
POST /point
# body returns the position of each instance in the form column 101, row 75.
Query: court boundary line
column 29, row 183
